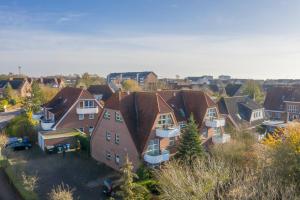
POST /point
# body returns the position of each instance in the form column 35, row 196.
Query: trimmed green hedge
column 84, row 142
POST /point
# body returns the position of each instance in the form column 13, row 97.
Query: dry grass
column 61, row 192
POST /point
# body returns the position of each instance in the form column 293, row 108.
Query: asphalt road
column 5, row 117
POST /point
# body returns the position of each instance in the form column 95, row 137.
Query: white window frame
column 92, row 116
column 117, row 138
column 108, row 155
column 91, row 129
column 81, row 117
column 106, row 114
column 117, row 159
column 108, row 136
column 172, row 141
column 118, row 117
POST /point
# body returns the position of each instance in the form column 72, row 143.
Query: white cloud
column 258, row 56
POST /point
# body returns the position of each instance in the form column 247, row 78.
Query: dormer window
column 164, row 120
column 211, row 113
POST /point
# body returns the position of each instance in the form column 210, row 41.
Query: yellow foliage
column 289, row 136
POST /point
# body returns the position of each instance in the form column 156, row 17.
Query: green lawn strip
column 16, row 180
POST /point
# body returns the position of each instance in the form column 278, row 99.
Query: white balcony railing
column 221, row 139
column 157, row 159
column 215, row 123
column 168, row 132
column 47, row 125
column 83, row 111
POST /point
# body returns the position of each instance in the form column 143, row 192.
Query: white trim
column 292, row 101
column 275, row 111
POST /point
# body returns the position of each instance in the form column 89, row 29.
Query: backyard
column 76, row 170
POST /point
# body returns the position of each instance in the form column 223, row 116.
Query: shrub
column 84, row 142
column 22, row 126
column 61, row 192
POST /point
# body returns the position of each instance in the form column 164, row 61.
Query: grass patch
column 3, row 162
column 15, row 178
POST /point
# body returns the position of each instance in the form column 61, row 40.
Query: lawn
column 80, row 172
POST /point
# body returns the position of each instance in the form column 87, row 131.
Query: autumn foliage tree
column 131, row 85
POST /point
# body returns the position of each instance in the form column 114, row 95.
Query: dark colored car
column 19, row 144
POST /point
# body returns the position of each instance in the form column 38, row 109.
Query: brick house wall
column 126, row 146
column 150, row 82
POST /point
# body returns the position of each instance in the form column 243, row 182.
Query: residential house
column 241, row 112
column 224, row 77
column 146, row 126
column 147, row 79
column 283, row 103
column 101, row 92
column 71, row 108
column 22, row 86
column 54, row 82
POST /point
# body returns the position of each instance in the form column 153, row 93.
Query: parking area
column 77, row 170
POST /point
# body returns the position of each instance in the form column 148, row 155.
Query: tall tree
column 129, row 189
column 8, row 92
column 131, row 85
column 190, row 146
column 37, row 97
column 253, row 90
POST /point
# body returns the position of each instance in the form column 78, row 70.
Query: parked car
column 19, row 144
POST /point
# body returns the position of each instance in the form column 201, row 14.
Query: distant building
column 51, row 82
column 241, row 111
column 283, row 103
column 224, row 77
column 21, row 85
column 147, row 80
column 200, row 79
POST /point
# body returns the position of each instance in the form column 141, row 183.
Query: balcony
column 168, row 132
column 221, row 139
column 87, row 110
column 47, row 125
column 157, row 159
column 215, row 123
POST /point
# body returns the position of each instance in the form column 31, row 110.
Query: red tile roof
column 64, row 100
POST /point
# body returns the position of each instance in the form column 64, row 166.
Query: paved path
column 7, row 192
column 5, row 117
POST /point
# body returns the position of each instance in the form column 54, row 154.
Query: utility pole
column 19, row 68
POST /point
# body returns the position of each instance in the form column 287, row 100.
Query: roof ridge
column 165, row 102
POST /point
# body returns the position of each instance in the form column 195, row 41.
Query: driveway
column 80, row 172
column 5, row 117
column 7, row 192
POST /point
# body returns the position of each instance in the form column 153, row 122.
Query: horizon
column 243, row 39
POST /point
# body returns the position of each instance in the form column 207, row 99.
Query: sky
column 242, row 38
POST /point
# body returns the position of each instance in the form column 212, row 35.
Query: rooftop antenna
column 19, row 68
